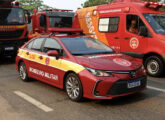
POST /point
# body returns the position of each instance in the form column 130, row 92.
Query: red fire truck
column 134, row 27
column 54, row 19
column 13, row 27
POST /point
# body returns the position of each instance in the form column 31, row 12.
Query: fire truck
column 134, row 27
column 13, row 27
column 52, row 20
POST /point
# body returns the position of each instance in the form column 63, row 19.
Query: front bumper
column 110, row 87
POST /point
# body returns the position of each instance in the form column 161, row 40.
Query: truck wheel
column 73, row 87
column 154, row 66
column 23, row 72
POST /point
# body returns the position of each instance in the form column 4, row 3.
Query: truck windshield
column 12, row 16
column 60, row 21
column 85, row 46
column 157, row 22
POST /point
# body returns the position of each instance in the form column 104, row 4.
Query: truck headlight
column 99, row 73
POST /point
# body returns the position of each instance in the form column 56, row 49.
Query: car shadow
column 124, row 100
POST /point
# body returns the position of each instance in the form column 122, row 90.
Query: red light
column 126, row 9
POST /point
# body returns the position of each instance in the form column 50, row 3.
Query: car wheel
column 154, row 66
column 23, row 72
column 73, row 87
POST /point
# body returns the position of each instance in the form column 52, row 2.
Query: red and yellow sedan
column 82, row 66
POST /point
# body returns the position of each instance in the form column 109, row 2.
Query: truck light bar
column 155, row 5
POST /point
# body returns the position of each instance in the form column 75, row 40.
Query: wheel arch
column 151, row 54
column 64, row 78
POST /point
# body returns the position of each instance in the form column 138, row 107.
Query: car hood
column 116, row 61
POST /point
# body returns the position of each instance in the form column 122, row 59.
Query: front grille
column 120, row 87
column 11, row 34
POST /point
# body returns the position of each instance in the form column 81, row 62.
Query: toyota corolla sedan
column 82, row 66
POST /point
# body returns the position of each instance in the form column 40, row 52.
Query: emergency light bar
column 155, row 5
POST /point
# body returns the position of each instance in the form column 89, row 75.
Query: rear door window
column 51, row 44
column 37, row 44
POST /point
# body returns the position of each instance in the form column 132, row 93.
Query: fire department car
column 134, row 27
column 81, row 65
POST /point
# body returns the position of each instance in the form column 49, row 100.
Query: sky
column 65, row 4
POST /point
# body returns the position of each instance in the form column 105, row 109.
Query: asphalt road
column 51, row 103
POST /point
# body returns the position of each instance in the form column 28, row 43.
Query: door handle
column 27, row 53
column 116, row 38
column 126, row 38
column 40, row 57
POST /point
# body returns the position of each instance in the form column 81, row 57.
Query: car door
column 132, row 43
column 35, row 58
column 53, row 72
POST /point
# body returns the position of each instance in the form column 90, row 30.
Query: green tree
column 33, row 4
column 89, row 3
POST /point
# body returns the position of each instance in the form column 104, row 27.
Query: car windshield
column 85, row 46
column 157, row 22
column 12, row 16
column 60, row 21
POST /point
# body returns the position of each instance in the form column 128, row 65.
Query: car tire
column 23, row 72
column 74, row 87
column 154, row 66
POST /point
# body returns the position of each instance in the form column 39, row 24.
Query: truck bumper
column 9, row 48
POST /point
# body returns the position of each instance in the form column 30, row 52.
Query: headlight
column 99, row 73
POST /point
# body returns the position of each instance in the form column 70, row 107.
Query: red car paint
column 94, row 87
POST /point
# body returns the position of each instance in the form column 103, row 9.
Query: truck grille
column 11, row 34
column 120, row 87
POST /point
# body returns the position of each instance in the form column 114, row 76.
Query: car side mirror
column 53, row 53
column 143, row 31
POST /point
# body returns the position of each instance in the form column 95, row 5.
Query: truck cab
column 13, row 27
column 133, row 27
column 47, row 20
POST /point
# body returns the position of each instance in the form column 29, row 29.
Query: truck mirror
column 143, row 31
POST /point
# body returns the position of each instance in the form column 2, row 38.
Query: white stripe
column 33, row 101
column 157, row 89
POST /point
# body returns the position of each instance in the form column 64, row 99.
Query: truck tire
column 74, row 87
column 154, row 66
column 23, row 72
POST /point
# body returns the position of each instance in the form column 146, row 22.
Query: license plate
column 133, row 84
column 9, row 48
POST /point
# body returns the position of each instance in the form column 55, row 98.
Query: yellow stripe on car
column 51, row 61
